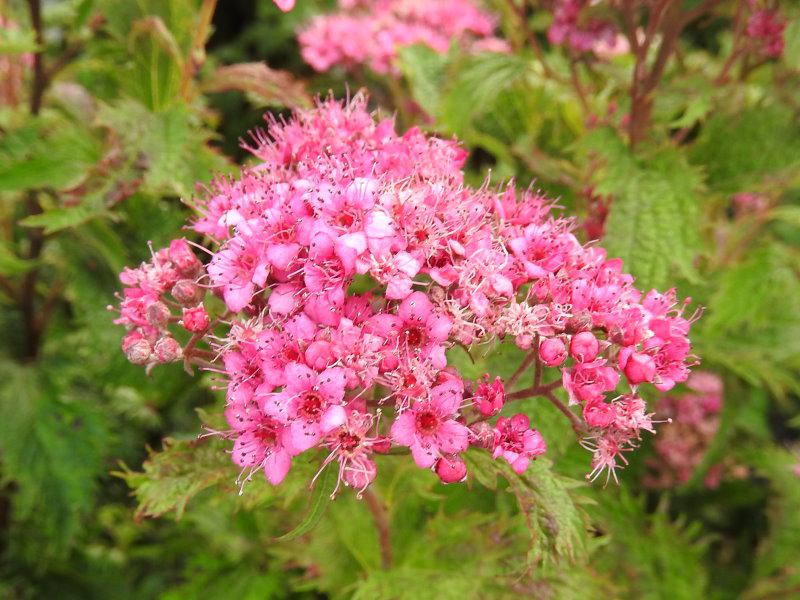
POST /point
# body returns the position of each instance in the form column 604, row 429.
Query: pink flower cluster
column 572, row 28
column 153, row 292
column 370, row 32
column 351, row 258
column 682, row 444
column 765, row 27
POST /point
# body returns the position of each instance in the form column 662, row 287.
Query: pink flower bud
column 137, row 351
column 489, row 398
column 187, row 292
column 584, row 347
column 483, row 435
column 319, row 355
column 451, row 469
column 552, row 352
column 598, row 414
column 157, row 314
column 195, row 319
column 640, row 368
column 167, row 350
column 183, row 258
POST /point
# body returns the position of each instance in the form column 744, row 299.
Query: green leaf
column 57, row 219
column 13, row 265
column 179, row 472
column 169, row 145
column 557, row 526
column 739, row 152
column 51, row 447
column 653, row 221
column 46, row 152
column 14, row 41
column 264, row 86
column 477, row 85
column 320, row 498
column 424, row 69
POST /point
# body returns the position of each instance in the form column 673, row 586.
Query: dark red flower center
column 415, row 336
column 348, row 442
column 427, row 422
column 311, row 407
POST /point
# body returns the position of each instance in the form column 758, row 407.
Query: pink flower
column 195, row 319
column 587, row 382
column 489, row 397
column 516, row 442
column 311, row 403
column 284, row 5
column 638, row 367
column 371, row 33
column 428, row 427
column 260, row 442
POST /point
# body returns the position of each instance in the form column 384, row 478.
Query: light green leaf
column 653, row 221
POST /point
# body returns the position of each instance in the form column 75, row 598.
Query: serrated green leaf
column 57, row 219
column 557, row 526
column 653, row 221
column 46, row 152
column 173, row 476
column 739, row 152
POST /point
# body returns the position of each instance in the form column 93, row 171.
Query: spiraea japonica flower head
column 372, row 33
column 349, row 260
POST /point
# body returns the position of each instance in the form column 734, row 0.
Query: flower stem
column 382, row 525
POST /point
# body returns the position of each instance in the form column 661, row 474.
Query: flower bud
column 552, row 352
column 187, row 292
column 319, row 355
column 451, row 468
column 157, row 314
column 584, row 347
column 137, row 351
column 195, row 319
column 598, row 414
column 640, row 368
column 167, row 350
column 483, row 434
column 183, row 258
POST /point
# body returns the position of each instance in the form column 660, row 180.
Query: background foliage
column 106, row 489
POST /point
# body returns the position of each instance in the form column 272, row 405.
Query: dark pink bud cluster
column 682, row 444
column 154, row 292
column 351, row 258
column 571, row 27
column 371, row 33
column 765, row 28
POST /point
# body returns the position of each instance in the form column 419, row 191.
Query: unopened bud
column 584, row 347
column 183, row 258
column 157, row 314
column 138, row 351
column 483, row 434
column 552, row 352
column 187, row 293
column 451, row 468
column 167, row 350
